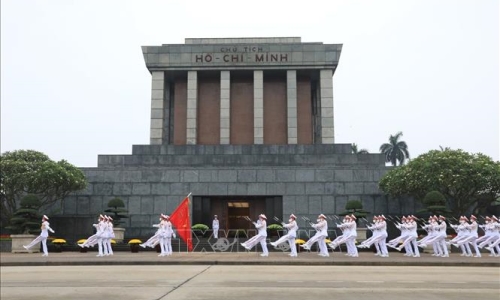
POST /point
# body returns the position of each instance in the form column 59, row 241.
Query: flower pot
column 134, row 248
column 83, row 250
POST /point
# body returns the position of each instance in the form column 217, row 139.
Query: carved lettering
column 227, row 56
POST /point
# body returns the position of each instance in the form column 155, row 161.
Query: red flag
column 180, row 220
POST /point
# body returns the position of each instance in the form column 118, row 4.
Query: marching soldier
column 42, row 237
column 110, row 233
column 321, row 233
column 155, row 239
column 290, row 236
column 261, row 236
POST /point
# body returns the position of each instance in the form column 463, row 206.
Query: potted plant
column 134, row 245
column 58, row 244
column 199, row 229
column 275, row 230
column 82, row 249
column 116, row 207
column 25, row 223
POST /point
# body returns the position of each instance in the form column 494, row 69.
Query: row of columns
column 160, row 107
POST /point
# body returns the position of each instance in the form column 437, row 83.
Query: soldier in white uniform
column 110, row 234
column 290, row 236
column 92, row 240
column 321, row 233
column 169, row 229
column 45, row 227
column 261, row 236
column 410, row 237
column 155, row 239
column 101, row 230
column 215, row 227
column 462, row 232
column 471, row 236
column 494, row 226
column 382, row 226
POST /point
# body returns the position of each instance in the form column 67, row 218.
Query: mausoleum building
column 244, row 124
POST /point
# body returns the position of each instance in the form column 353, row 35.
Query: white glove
column 174, row 236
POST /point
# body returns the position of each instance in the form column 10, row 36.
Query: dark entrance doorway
column 231, row 210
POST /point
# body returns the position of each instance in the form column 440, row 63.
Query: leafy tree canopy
column 463, row 178
column 32, row 172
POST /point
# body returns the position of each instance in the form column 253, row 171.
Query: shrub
column 355, row 207
column 116, row 206
column 26, row 218
column 275, row 227
column 201, row 227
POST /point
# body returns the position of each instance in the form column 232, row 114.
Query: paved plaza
column 176, row 282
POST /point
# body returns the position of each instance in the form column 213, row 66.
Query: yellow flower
column 327, row 241
column 299, row 241
column 113, row 242
column 59, row 241
column 81, row 241
column 135, row 241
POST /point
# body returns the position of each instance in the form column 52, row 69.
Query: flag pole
column 189, row 217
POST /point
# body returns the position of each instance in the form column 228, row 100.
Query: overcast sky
column 74, row 83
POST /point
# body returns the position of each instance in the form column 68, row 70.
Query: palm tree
column 395, row 150
column 355, row 150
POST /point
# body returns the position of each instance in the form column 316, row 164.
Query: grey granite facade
column 312, row 179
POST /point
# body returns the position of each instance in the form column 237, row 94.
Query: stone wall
column 312, row 179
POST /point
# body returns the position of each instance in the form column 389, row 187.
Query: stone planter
column 18, row 240
column 119, row 234
column 361, row 234
column 6, row 245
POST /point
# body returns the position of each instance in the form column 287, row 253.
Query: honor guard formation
column 467, row 235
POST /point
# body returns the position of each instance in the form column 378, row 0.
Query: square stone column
column 258, row 107
column 192, row 103
column 291, row 104
column 159, row 109
column 326, row 94
column 225, row 108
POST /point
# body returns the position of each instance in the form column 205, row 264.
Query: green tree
column 355, row 150
column 26, row 219
column 396, row 150
column 32, row 172
column 468, row 181
column 116, row 206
